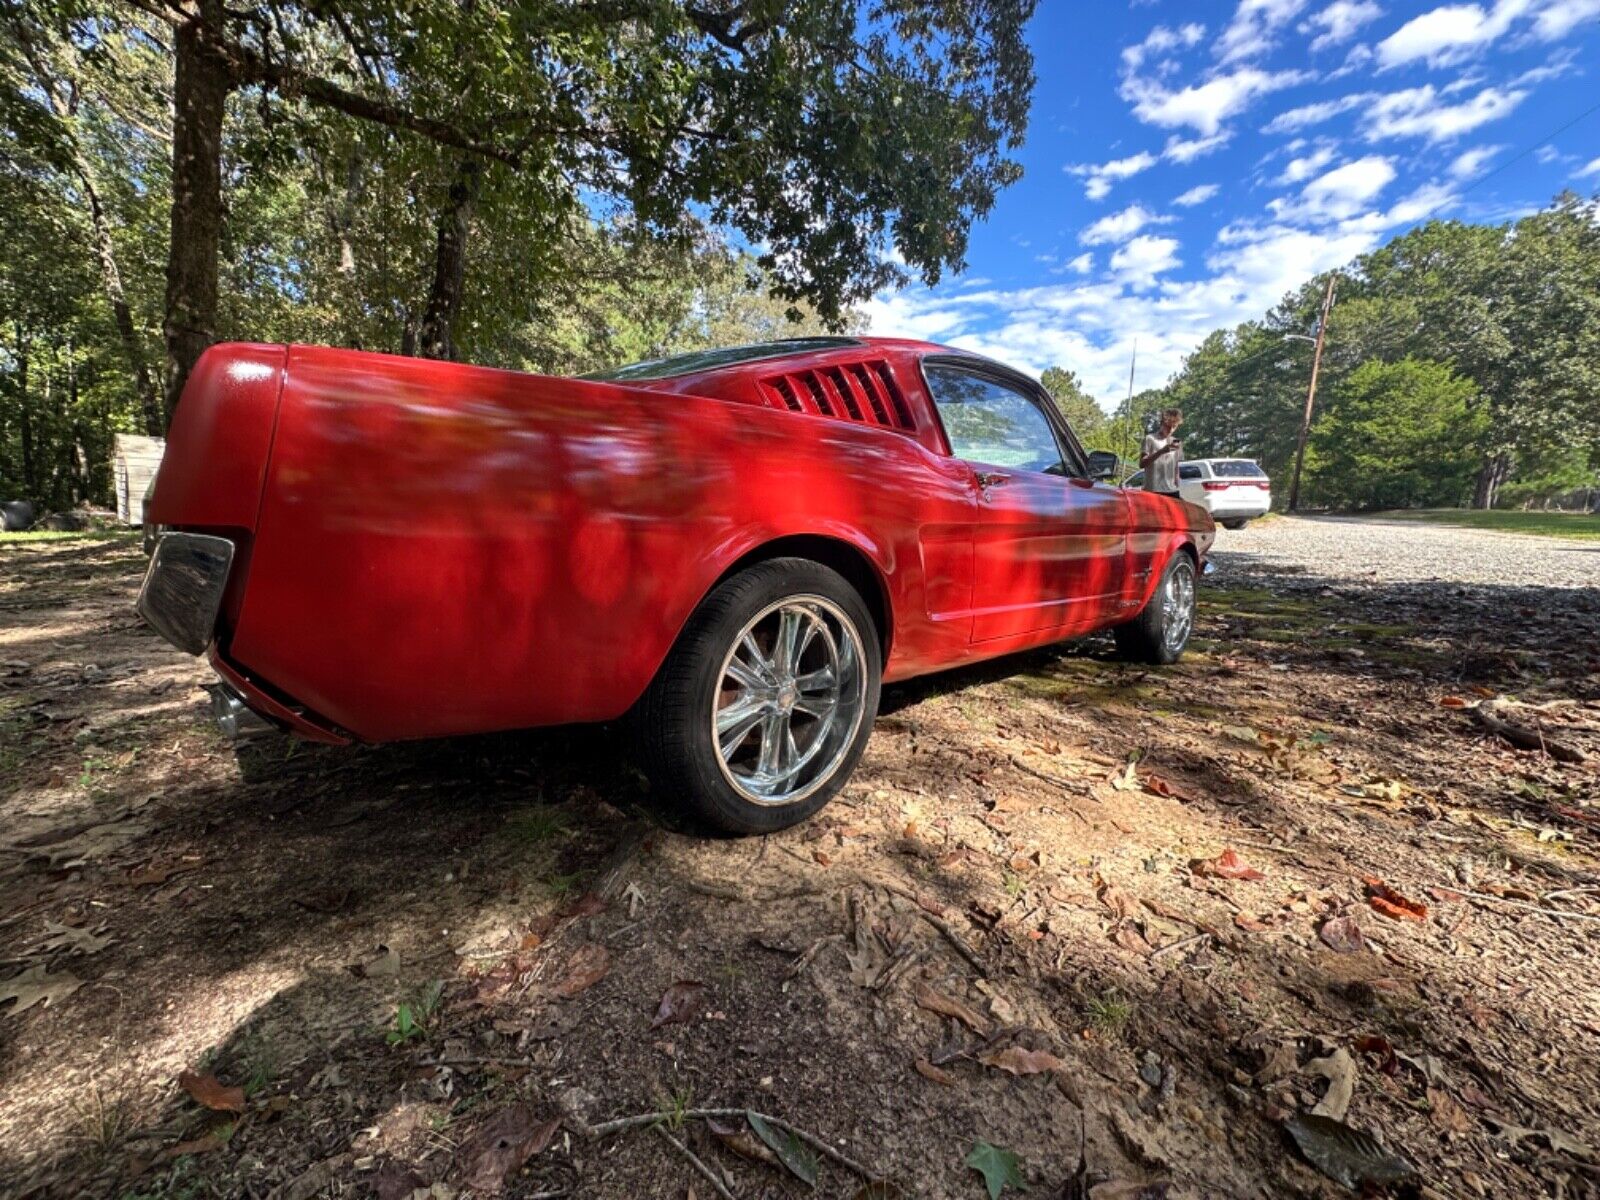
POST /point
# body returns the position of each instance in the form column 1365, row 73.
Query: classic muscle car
column 732, row 549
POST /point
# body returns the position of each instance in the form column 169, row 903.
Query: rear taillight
column 1216, row 485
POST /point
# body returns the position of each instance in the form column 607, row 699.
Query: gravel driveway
column 1375, row 551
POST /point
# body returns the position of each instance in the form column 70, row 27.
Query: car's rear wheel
column 764, row 705
column 1161, row 630
column 1235, row 523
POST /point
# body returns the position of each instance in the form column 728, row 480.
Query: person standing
column 1161, row 454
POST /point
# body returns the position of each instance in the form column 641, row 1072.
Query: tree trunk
column 30, row 483
column 435, row 339
column 200, row 95
column 111, row 280
column 1491, row 475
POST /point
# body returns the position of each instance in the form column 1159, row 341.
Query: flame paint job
column 429, row 548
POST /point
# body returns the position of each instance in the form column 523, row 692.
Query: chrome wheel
column 789, row 700
column 1177, row 606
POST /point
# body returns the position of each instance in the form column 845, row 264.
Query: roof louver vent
column 862, row 392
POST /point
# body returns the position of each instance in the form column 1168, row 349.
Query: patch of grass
column 1582, row 526
column 561, row 886
column 539, row 825
column 1109, row 1013
column 35, row 536
column 1015, row 885
column 675, row 1107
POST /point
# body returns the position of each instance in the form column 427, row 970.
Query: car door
column 1191, row 485
column 1050, row 544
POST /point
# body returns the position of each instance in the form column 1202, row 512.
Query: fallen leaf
column 741, row 1142
column 1339, row 1069
column 1348, row 1156
column 1452, row 702
column 1446, row 1114
column 937, row 1074
column 1118, row 901
column 937, row 1002
column 154, row 873
column 501, row 1146
column 1391, row 903
column 1127, row 935
column 791, row 1151
column 74, row 940
column 999, row 1168
column 1157, row 786
column 1014, row 1060
column 586, row 905
column 1342, row 934
column 680, row 1003
column 1125, row 778
column 1372, row 1043
column 586, row 967
column 1227, row 865
column 1250, row 924
column 209, row 1092
column 36, row 985
column 386, row 965
column 821, row 858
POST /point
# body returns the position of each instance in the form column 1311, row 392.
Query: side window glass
column 1188, row 471
column 992, row 424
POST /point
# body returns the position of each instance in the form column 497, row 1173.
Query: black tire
column 675, row 717
column 1144, row 639
column 1236, row 523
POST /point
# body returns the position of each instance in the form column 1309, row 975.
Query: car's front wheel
column 1235, row 523
column 764, row 705
column 1161, row 630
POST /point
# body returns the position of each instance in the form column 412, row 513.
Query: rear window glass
column 710, row 360
column 1236, row 468
column 1188, row 471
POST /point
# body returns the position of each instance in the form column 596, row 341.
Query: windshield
column 1236, row 468
column 708, row 360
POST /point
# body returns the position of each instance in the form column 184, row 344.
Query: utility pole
column 1311, row 396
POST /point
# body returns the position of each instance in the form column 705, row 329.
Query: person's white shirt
column 1162, row 473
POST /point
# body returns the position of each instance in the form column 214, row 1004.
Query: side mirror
column 1103, row 465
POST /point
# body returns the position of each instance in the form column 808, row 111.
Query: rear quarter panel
column 1159, row 527
column 445, row 549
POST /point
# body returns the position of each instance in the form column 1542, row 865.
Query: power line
column 1529, row 149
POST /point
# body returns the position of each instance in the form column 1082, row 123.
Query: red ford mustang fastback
column 733, row 548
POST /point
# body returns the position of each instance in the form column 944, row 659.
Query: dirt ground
column 435, row 969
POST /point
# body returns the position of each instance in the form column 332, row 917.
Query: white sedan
column 1232, row 490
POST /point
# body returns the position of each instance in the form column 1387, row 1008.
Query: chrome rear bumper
column 183, row 587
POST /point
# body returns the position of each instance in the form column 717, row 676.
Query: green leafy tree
column 1398, row 435
column 822, row 132
column 1083, row 412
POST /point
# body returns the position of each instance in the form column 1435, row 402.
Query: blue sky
column 1188, row 162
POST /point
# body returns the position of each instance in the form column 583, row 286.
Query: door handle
column 990, row 479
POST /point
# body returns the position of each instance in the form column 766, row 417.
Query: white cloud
column 1348, row 189
column 1314, row 114
column 1455, row 32
column 1162, row 40
column 1592, row 169
column 1197, row 195
column 1559, row 18
column 1254, row 26
column 1449, row 34
column 1339, row 22
column 1417, row 112
column 1207, row 105
column 1303, row 168
column 1186, row 150
column 1470, row 162
column 1145, row 257
column 1120, row 226
column 1098, row 178
column 1083, row 264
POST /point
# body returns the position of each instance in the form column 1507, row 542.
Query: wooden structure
column 134, row 461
